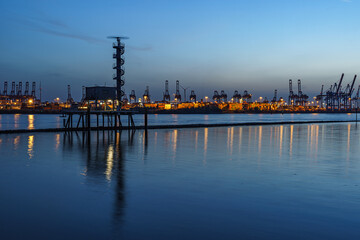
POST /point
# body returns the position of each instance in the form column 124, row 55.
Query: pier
column 80, row 120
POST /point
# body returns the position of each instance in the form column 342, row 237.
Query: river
column 250, row 182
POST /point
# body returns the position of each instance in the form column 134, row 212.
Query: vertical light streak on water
column 205, row 144
column 276, row 136
column 281, row 139
column 231, row 141
column 30, row 121
column 143, row 145
column 348, row 143
column 316, row 141
column 240, row 138
column 311, row 141
column 249, row 142
column 271, row 133
column 30, row 150
column 16, row 142
column 260, row 139
column 109, row 162
column 174, row 140
column 175, row 118
column 155, row 139
column 256, row 135
column 57, row 141
column 206, row 118
column 174, row 143
column 167, row 138
column 291, row 140
column 118, row 138
column 308, row 136
column 196, row 139
column 228, row 139
column 16, row 120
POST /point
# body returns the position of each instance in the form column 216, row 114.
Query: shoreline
column 169, row 126
column 164, row 112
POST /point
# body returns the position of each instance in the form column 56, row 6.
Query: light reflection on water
column 16, row 120
column 31, row 146
column 16, row 142
column 109, row 162
column 273, row 181
column 31, row 121
column 57, row 141
column 41, row 121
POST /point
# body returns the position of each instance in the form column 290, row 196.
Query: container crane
column 247, row 96
column 192, row 96
column 223, row 96
column 26, row 93
column 236, row 97
column 177, row 93
column 216, row 96
column 5, row 88
column 274, row 100
column 132, row 96
column 146, row 96
column 166, row 93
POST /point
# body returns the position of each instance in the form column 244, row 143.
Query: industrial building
column 100, row 97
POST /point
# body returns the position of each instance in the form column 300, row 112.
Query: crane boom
column 352, row 86
column 339, row 86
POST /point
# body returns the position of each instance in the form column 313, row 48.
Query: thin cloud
column 55, row 28
column 145, row 48
column 50, row 21
column 347, row 1
column 69, row 35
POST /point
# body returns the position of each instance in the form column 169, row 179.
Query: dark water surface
column 41, row 121
column 256, row 182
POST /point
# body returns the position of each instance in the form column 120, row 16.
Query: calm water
column 256, row 182
column 29, row 121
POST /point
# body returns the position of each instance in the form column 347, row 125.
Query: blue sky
column 254, row 45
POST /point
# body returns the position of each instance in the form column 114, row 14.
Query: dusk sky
column 254, row 45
